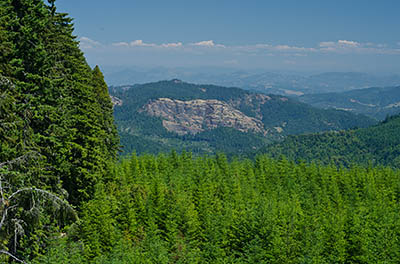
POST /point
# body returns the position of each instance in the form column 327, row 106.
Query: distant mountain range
column 267, row 82
column 377, row 102
column 160, row 116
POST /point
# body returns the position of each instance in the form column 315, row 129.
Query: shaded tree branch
column 19, row 159
column 12, row 256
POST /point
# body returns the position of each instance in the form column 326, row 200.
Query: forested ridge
column 375, row 145
column 65, row 198
column 280, row 116
column 376, row 102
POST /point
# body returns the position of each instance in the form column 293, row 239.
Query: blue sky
column 308, row 35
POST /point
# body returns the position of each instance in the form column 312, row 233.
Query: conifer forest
column 69, row 194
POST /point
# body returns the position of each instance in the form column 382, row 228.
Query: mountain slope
column 376, row 102
column 379, row 144
column 175, row 114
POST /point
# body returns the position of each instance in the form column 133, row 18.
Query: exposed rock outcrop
column 195, row 116
column 116, row 101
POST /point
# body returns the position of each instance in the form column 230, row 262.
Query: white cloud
column 121, row 44
column 291, row 48
column 299, row 55
column 339, row 46
column 330, row 45
column 140, row 43
column 263, row 46
column 327, row 44
column 207, row 43
column 348, row 46
column 274, row 48
column 172, row 45
column 348, row 43
column 87, row 43
column 268, row 49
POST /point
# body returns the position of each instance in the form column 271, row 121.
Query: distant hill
column 177, row 115
column 379, row 144
column 288, row 84
column 374, row 102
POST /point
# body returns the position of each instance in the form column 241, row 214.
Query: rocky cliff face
column 195, row 116
column 116, row 101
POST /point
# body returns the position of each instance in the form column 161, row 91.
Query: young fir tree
column 107, row 121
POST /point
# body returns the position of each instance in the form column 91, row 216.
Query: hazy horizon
column 311, row 36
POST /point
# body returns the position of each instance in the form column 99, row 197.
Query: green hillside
column 178, row 209
column 279, row 116
column 377, row 102
column 375, row 145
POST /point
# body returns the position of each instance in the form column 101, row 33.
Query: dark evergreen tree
column 70, row 112
column 111, row 141
column 56, row 124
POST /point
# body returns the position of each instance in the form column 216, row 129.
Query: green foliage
column 56, row 125
column 222, row 139
column 98, row 223
column 63, row 103
column 110, row 139
column 62, row 251
column 178, row 209
column 375, row 145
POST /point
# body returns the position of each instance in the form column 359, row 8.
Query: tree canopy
column 56, row 125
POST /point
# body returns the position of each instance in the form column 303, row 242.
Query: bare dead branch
column 19, row 159
column 6, row 82
column 49, row 194
column 18, row 230
column 12, row 256
column 3, row 218
column 5, row 213
column 2, row 201
column 9, row 125
column 7, row 207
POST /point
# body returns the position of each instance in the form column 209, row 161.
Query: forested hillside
column 57, row 133
column 376, row 102
column 376, row 145
column 157, row 117
column 176, row 209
